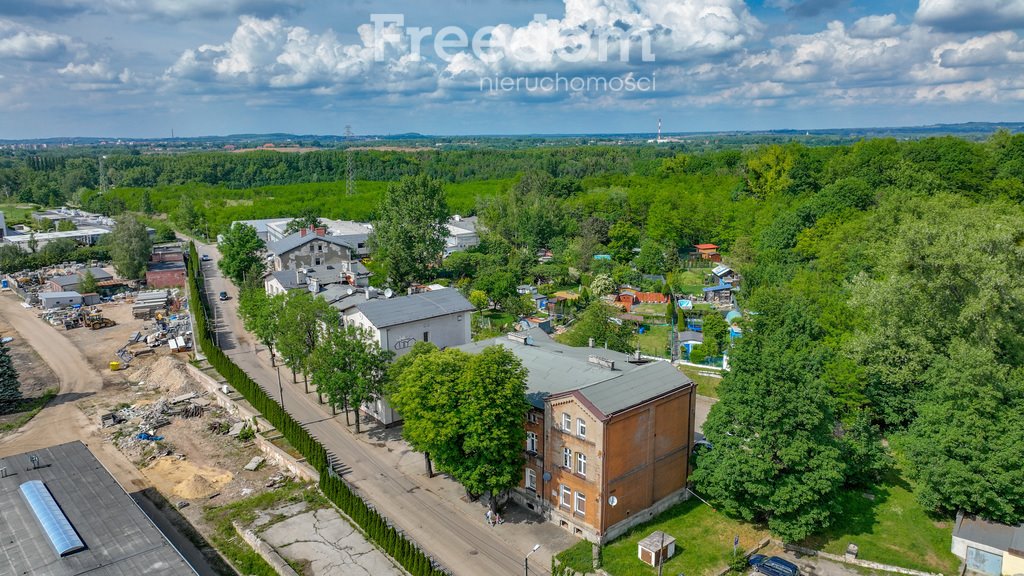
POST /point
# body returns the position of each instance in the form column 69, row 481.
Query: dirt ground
column 35, row 375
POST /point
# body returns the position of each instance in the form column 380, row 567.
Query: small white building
column 462, row 234
column 441, row 317
column 53, row 300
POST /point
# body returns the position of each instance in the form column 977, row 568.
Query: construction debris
column 255, row 463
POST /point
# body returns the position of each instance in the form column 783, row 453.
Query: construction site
column 186, row 444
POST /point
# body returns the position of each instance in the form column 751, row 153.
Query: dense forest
column 883, row 282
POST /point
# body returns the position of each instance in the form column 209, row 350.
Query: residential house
column 708, row 252
column 608, row 436
column 441, row 317
column 316, row 279
column 687, row 339
column 724, row 274
column 720, row 295
column 629, row 297
column 272, row 230
column 308, row 248
column 462, row 234
column 989, row 547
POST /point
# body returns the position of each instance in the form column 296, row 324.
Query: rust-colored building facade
column 608, row 437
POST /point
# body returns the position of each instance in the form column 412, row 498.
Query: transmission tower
column 350, row 168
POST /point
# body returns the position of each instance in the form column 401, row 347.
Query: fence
column 377, row 528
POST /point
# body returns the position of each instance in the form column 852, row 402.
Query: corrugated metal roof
column 56, row 525
column 119, row 538
column 385, row 312
column 65, row 281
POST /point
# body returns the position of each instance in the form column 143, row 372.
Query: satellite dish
column 388, row 293
column 547, row 477
column 612, row 500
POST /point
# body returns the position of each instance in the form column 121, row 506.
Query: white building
column 441, row 317
column 462, row 234
column 272, row 230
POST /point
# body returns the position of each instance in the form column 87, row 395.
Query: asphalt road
column 460, row 543
column 407, row 500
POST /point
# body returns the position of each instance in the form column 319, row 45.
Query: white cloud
column 878, row 26
column 22, row 42
column 989, row 50
column 971, row 15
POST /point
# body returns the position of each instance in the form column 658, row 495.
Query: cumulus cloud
column 992, row 49
column 971, row 15
column 268, row 53
column 805, row 8
column 876, row 26
column 21, row 42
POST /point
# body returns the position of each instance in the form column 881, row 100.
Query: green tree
column 10, row 391
column 602, row 284
column 146, row 203
column 410, row 231
column 349, row 368
column 260, row 313
column 651, row 259
column 775, row 458
column 965, row 446
column 33, row 242
column 66, row 226
column 427, row 391
column 493, row 409
column 88, row 283
column 716, row 333
column 623, row 237
column 308, row 219
column 187, row 216
column 300, row 328
column 242, row 254
column 130, row 247
column 479, row 299
column 597, row 324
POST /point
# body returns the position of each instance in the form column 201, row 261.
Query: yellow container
column 115, row 366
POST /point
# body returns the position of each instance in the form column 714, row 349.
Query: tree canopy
column 130, row 247
column 410, row 230
column 242, row 254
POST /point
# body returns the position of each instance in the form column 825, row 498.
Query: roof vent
column 602, row 362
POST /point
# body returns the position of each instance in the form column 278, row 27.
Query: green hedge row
column 373, row 524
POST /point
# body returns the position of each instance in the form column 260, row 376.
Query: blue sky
column 140, row 68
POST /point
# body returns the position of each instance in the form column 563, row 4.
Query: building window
column 426, row 336
column 566, row 496
column 317, row 262
column 531, row 417
column 581, row 464
column 581, row 428
column 531, row 479
column 319, row 247
column 581, row 504
column 567, row 458
column 566, row 421
column 531, row 442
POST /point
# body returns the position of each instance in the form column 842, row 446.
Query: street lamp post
column 526, row 560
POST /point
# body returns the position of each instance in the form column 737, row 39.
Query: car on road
column 205, row 258
column 223, row 296
column 773, row 566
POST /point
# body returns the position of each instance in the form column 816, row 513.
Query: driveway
column 433, row 512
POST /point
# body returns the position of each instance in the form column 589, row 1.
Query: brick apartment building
column 608, row 438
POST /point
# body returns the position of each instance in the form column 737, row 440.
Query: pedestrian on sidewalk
column 490, row 518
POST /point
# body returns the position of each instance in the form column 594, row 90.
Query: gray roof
column 289, row 243
column 385, row 312
column 164, row 266
column 120, row 540
column 999, row 536
column 97, row 273
column 65, row 294
column 690, row 336
column 555, row 369
column 66, row 281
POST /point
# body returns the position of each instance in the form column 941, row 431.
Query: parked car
column 205, row 258
column 223, row 296
column 773, row 565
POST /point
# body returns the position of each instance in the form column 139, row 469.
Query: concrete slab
column 329, row 544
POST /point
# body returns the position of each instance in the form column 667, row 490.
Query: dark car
column 773, row 566
column 223, row 296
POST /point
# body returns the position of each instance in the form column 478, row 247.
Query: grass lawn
column 654, row 342
column 25, row 410
column 579, row 557
column 703, row 542
column 706, row 385
column 689, row 281
column 652, row 312
column 892, row 529
column 17, row 213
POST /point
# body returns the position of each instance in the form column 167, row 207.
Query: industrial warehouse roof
column 555, row 369
column 119, row 539
column 385, row 312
